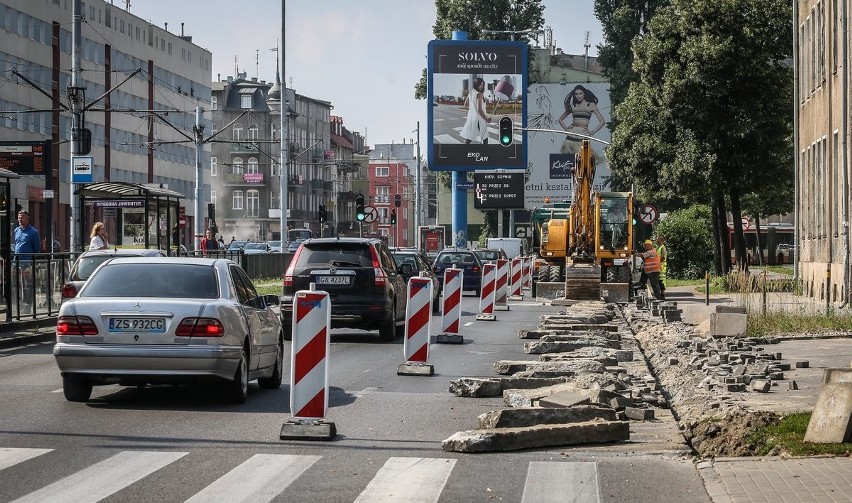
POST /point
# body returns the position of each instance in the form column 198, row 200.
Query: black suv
column 365, row 286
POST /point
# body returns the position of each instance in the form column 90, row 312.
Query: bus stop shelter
column 136, row 215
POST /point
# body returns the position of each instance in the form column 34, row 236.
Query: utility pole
column 75, row 96
column 198, row 130
column 285, row 171
column 417, row 208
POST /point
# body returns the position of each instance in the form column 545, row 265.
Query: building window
column 382, row 194
column 252, row 165
column 252, row 132
column 245, row 101
column 238, row 200
column 252, row 203
column 272, row 168
column 237, row 132
column 213, row 196
column 214, row 103
column 214, row 166
column 382, row 171
column 237, row 166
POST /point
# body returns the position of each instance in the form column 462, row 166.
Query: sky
column 363, row 56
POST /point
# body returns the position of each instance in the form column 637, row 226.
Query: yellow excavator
column 589, row 242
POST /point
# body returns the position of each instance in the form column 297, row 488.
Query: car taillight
column 475, row 268
column 200, row 327
column 288, row 275
column 379, row 274
column 69, row 291
column 76, row 325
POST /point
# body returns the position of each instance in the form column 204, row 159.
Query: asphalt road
column 172, row 443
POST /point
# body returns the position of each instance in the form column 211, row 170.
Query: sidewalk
column 774, row 478
column 19, row 333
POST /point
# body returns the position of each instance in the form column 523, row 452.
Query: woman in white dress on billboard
column 476, row 125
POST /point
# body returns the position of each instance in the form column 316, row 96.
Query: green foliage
column 710, row 107
column 474, row 16
column 689, row 241
column 788, row 437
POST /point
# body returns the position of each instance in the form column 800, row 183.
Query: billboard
column 472, row 85
column 579, row 107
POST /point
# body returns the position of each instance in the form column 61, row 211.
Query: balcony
column 244, row 178
column 247, row 146
column 317, row 184
column 295, row 180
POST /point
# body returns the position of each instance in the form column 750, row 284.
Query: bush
column 689, row 241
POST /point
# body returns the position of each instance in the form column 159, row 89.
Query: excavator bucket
column 582, row 281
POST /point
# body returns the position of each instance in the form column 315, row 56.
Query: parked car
column 294, row 245
column 490, row 256
column 256, row 248
column 274, row 246
column 88, row 261
column 366, row 288
column 418, row 264
column 237, row 245
column 145, row 320
column 462, row 259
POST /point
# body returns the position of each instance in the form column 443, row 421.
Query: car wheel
column 387, row 330
column 274, row 380
column 237, row 389
column 76, row 389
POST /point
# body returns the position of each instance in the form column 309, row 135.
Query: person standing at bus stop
column 663, row 253
column 27, row 241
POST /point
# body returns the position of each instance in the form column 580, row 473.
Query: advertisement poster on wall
column 577, row 107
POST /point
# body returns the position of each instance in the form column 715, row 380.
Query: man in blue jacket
column 27, row 240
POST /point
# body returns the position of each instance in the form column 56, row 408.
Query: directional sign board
column 464, row 78
column 498, row 190
column 650, row 214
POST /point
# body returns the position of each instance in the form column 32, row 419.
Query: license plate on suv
column 140, row 325
column 333, row 280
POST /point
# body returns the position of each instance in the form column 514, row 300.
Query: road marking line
column 260, row 478
column 469, row 323
column 408, row 479
column 10, row 456
column 105, row 478
column 57, row 390
column 561, row 482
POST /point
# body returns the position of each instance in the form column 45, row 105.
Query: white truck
column 513, row 247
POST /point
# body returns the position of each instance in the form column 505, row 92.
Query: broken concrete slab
column 506, row 367
column 531, row 416
column 542, row 347
column 475, row 387
column 581, row 326
column 638, row 414
column 831, row 419
column 510, row 439
column 564, row 399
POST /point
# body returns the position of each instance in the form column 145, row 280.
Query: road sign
column 650, row 214
column 370, row 214
column 499, row 190
column 491, row 74
column 746, row 223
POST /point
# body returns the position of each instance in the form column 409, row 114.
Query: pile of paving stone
column 583, row 388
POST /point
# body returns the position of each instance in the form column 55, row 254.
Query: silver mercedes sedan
column 169, row 320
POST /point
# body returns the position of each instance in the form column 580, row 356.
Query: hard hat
column 649, row 242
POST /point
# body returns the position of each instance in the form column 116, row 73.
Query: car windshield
column 274, row 244
column 487, row 254
column 339, row 254
column 181, row 281
column 87, row 265
column 447, row 259
column 404, row 258
column 237, row 245
column 255, row 246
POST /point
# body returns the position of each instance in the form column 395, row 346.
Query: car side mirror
column 272, row 299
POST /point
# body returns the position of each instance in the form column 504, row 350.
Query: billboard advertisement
column 583, row 108
column 472, row 86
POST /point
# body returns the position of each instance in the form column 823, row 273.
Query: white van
column 514, row 247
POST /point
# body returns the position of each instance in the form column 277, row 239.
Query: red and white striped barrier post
column 528, row 270
column 309, row 368
column 452, row 307
column 501, row 301
column 516, row 273
column 418, row 313
column 487, row 293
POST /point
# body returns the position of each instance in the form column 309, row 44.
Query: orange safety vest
column 652, row 263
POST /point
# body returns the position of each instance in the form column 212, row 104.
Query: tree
column 709, row 115
column 688, row 241
column 474, row 16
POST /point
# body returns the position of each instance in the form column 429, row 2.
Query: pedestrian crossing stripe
column 263, row 477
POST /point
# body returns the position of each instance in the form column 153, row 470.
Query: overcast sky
column 363, row 56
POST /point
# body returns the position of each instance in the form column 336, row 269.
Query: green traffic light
column 360, row 217
column 505, row 140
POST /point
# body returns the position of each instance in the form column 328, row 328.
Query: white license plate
column 333, row 280
column 141, row 325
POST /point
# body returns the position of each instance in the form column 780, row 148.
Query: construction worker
column 651, row 266
column 663, row 253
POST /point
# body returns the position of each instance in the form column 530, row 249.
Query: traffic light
column 506, row 134
column 393, row 216
column 322, row 214
column 211, row 211
column 359, row 208
column 397, row 201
